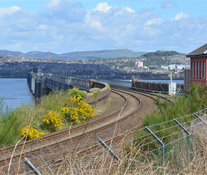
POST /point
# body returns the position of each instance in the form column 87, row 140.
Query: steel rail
column 115, row 90
column 63, row 132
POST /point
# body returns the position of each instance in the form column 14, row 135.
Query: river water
column 14, row 92
column 157, row 81
column 165, row 81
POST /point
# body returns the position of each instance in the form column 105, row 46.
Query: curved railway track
column 133, row 103
column 152, row 96
column 63, row 132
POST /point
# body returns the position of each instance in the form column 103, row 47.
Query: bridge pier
column 38, row 90
column 35, row 86
column 42, row 84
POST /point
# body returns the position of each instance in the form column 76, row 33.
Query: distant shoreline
column 159, row 79
column 116, row 78
column 15, row 77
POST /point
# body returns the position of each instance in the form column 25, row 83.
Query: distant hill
column 74, row 55
column 102, row 54
column 161, row 53
column 10, row 53
column 40, row 55
column 159, row 58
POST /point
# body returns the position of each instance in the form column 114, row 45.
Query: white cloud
column 93, row 23
column 64, row 10
column 168, row 4
column 180, row 16
column 9, row 11
column 153, row 21
column 129, row 10
column 66, row 26
column 53, row 3
column 102, row 7
column 42, row 27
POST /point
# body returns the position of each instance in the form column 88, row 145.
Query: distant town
column 152, row 65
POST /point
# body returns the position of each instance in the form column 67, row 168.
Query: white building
column 138, row 64
column 175, row 67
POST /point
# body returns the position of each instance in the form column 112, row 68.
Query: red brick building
column 198, row 62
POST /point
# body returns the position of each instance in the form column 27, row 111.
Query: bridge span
column 41, row 84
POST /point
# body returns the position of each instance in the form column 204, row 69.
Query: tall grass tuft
column 186, row 104
column 9, row 126
column 189, row 103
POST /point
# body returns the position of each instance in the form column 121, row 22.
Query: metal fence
column 146, row 88
column 119, row 83
column 161, row 143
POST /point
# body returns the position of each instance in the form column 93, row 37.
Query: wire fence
column 143, row 145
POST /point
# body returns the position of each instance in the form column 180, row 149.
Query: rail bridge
column 41, row 84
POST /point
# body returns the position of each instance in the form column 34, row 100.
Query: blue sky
column 78, row 25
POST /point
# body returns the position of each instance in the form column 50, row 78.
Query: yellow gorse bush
column 78, row 111
column 30, row 132
column 52, row 121
column 74, row 110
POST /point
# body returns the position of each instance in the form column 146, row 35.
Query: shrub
column 52, row 121
column 184, row 105
column 46, row 115
column 75, row 92
column 77, row 110
column 10, row 125
column 30, row 133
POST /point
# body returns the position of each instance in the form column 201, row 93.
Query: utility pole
column 172, row 86
column 171, row 77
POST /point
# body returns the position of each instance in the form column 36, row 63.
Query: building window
column 201, row 70
column 204, row 69
column 198, row 70
column 195, row 70
column 194, row 73
column 192, row 70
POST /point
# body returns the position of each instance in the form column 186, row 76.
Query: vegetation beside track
column 186, row 104
column 54, row 112
column 161, row 123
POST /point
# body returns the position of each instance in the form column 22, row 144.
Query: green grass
column 184, row 105
column 161, row 123
column 11, row 122
column 9, row 126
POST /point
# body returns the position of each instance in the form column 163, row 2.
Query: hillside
column 162, row 58
column 8, row 53
column 73, row 55
column 161, row 53
column 102, row 54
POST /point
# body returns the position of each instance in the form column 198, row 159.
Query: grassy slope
column 12, row 122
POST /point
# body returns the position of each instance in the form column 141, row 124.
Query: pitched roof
column 200, row 51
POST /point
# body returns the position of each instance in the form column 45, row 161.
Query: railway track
column 94, row 148
column 152, row 96
column 148, row 94
column 65, row 131
column 54, row 144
